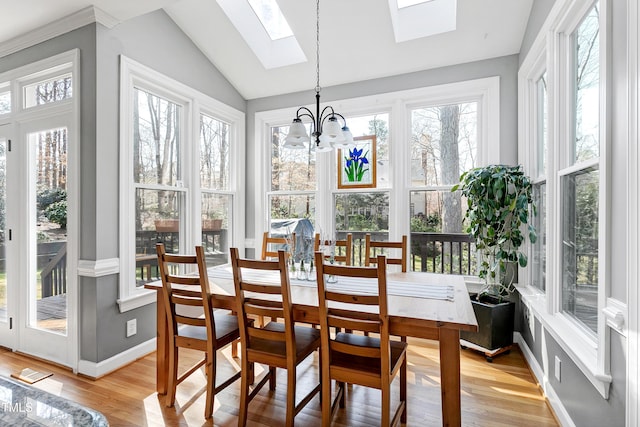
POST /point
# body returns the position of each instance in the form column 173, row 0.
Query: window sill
column 580, row 347
column 137, row 299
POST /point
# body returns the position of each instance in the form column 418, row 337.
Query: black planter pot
column 495, row 324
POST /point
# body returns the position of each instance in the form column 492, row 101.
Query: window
column 5, row 99
column 217, row 201
column 179, row 176
column 564, row 153
column 292, row 196
column 48, row 91
column 157, row 173
column 300, row 184
column 444, row 144
column 539, row 258
column 580, row 179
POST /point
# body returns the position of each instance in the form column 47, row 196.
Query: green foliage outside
column 51, row 195
column 53, row 203
column 57, row 213
column 425, row 224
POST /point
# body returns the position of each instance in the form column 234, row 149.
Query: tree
column 450, row 167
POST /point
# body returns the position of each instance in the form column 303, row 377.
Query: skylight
column 272, row 19
column 425, row 18
column 407, row 3
column 264, row 28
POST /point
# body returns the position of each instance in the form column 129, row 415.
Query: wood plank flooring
column 502, row 393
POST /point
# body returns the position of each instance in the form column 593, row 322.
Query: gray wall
column 155, row 41
column 539, row 12
column 505, row 67
column 581, row 400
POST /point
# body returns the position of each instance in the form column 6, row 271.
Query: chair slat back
column 375, row 248
column 182, row 275
column 354, row 311
column 344, row 248
column 262, row 299
column 269, row 251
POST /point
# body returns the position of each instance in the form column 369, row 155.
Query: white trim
column 136, row 298
column 98, row 268
column 96, row 370
column 554, row 400
column 633, row 217
column 86, row 16
column 615, row 315
column 580, row 349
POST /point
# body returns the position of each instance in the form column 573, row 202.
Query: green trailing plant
column 499, row 205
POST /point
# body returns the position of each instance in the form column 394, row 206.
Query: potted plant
column 499, row 205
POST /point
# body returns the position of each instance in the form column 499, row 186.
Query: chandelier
column 326, row 129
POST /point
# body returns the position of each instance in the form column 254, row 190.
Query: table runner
column 348, row 284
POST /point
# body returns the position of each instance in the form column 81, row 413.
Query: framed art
column 357, row 165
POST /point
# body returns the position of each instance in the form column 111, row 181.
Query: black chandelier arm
column 322, row 116
column 307, row 113
column 342, row 117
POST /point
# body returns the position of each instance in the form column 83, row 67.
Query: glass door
column 6, row 308
column 42, row 233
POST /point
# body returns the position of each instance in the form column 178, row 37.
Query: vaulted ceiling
column 356, row 37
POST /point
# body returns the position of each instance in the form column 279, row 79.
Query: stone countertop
column 26, row 406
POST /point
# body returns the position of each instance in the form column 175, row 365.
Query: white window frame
column 552, row 51
column 135, row 75
column 398, row 105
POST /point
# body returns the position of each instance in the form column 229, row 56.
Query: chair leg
column 385, row 416
column 234, row 349
column 244, row 393
column 272, row 378
column 173, row 377
column 326, row 399
column 291, row 396
column 403, row 389
column 211, row 383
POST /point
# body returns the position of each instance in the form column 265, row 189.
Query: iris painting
column 356, row 164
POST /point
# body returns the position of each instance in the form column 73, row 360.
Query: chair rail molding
column 98, row 268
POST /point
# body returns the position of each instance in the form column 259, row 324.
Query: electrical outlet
column 557, row 368
column 132, row 327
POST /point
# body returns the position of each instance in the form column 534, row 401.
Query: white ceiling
column 356, row 37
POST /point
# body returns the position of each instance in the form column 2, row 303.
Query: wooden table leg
column 162, row 347
column 450, row 376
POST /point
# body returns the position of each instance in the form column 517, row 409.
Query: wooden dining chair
column 269, row 252
column 353, row 358
column 278, row 344
column 347, row 244
column 375, row 248
column 192, row 322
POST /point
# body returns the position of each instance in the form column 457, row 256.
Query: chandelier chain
column 318, row 46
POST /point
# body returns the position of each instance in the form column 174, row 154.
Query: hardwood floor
column 502, row 393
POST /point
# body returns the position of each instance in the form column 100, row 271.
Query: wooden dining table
column 412, row 313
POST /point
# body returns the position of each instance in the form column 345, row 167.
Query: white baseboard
column 558, row 408
column 99, row 369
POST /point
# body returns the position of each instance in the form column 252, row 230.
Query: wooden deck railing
column 448, row 253
column 54, row 275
